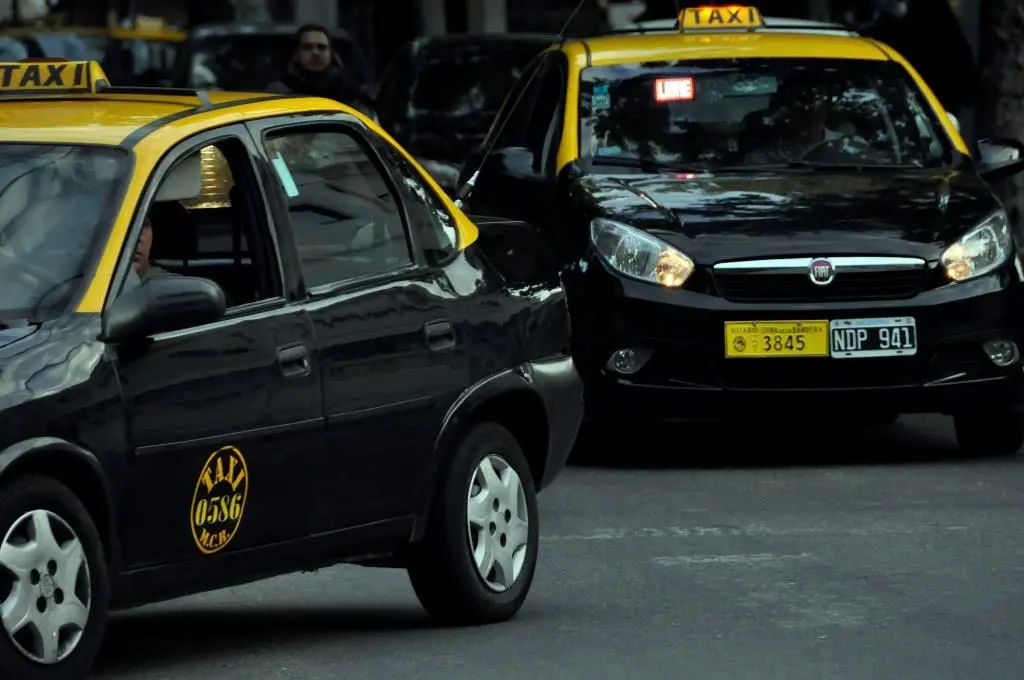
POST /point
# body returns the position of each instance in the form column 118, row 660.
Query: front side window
column 57, row 204
column 704, row 115
column 345, row 218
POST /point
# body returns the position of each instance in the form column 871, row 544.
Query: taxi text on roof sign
column 714, row 18
column 54, row 77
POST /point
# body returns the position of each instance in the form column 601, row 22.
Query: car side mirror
column 569, row 173
column 954, row 120
column 999, row 158
column 162, row 305
column 516, row 161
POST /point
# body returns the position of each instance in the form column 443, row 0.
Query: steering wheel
column 27, row 272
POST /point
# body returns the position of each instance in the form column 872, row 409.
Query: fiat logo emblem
column 821, row 272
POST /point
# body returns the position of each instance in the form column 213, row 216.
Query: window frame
column 270, row 241
column 528, row 79
column 352, row 126
column 386, row 147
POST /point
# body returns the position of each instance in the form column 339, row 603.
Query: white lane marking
column 758, row 558
column 752, row 530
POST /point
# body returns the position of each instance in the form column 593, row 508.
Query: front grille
column 891, row 284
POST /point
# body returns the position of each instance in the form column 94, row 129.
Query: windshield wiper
column 815, row 165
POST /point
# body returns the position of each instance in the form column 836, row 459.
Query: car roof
column 486, row 38
column 107, row 119
column 613, row 49
column 771, row 24
column 214, row 30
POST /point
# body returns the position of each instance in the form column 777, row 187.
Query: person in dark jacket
column 316, row 70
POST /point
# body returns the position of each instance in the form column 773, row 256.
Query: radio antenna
column 467, row 189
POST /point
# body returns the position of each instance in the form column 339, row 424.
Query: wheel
column 994, row 434
column 53, row 582
column 477, row 559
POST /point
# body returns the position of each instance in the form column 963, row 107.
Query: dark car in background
column 439, row 95
column 248, row 57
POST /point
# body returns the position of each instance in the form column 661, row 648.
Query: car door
column 224, row 418
column 384, row 319
column 517, row 180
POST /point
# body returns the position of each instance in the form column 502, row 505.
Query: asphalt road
column 863, row 555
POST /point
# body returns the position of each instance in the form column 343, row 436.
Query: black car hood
column 813, row 213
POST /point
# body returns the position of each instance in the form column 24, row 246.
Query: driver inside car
column 142, row 268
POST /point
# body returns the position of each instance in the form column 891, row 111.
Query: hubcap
column 498, row 523
column 48, row 591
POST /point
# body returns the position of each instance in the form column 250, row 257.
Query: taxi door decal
column 218, row 502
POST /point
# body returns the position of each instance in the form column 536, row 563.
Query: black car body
column 439, row 95
column 246, row 57
column 244, row 334
column 719, row 265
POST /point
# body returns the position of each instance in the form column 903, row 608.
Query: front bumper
column 688, row 375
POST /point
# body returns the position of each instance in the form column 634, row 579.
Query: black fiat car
column 756, row 229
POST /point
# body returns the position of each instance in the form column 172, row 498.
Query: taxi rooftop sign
column 50, row 76
column 719, row 17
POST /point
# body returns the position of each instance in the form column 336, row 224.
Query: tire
column 990, row 434
column 442, row 568
column 23, row 501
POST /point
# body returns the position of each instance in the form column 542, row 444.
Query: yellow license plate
column 759, row 339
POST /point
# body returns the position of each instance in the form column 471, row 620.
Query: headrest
column 184, row 182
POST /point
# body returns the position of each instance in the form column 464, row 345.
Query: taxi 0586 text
column 226, row 321
column 754, row 211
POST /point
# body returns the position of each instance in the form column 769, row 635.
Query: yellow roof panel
column 625, row 49
column 94, row 119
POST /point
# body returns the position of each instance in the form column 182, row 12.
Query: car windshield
column 743, row 113
column 467, row 82
column 250, row 62
column 56, row 205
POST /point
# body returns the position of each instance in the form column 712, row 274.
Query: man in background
column 316, row 70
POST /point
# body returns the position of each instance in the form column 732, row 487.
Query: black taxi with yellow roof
column 243, row 334
column 775, row 221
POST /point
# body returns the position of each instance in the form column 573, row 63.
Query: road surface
column 866, row 555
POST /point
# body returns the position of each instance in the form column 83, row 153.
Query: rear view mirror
column 162, row 305
column 1000, row 158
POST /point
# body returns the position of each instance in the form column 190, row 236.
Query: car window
column 748, row 112
column 344, row 215
column 514, row 117
column 473, row 80
column 57, row 205
column 220, row 234
column 440, row 237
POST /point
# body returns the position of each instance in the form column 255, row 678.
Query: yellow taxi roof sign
column 719, row 17
column 34, row 77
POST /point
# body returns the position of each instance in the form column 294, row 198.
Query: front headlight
column 639, row 255
column 980, row 250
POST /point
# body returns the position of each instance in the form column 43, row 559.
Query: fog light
column 629, row 360
column 1002, row 352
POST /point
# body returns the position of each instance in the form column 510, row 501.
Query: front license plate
column 865, row 338
column 765, row 339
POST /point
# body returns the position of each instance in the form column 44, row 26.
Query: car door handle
column 440, row 335
column 294, row 361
